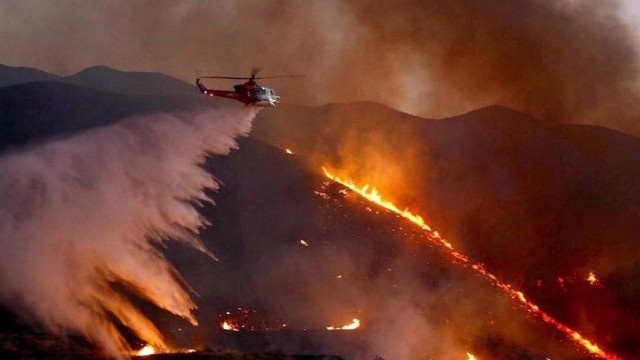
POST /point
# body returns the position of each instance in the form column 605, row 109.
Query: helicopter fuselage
column 250, row 93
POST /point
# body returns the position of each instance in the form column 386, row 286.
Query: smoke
column 85, row 215
column 568, row 61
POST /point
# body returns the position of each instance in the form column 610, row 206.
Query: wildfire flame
column 374, row 196
column 592, row 279
column 288, row 151
column 229, row 327
column 354, row 325
column 151, row 350
column 470, row 356
column 146, row 351
column 304, row 243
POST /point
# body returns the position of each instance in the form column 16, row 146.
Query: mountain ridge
column 104, row 78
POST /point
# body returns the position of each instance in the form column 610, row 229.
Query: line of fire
column 459, row 259
column 252, row 320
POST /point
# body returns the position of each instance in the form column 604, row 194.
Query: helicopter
column 249, row 92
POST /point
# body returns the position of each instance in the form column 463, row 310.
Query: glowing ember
column 248, row 319
column 289, row 151
column 470, row 356
column 354, row 325
column 229, row 327
column 304, row 243
column 374, row 196
column 592, row 279
column 146, row 351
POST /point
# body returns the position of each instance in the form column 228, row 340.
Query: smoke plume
column 82, row 215
column 569, row 61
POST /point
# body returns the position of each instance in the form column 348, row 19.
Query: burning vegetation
column 460, row 259
column 355, row 324
column 248, row 319
column 145, row 351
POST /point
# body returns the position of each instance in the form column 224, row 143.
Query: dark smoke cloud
column 556, row 60
column 571, row 61
column 81, row 214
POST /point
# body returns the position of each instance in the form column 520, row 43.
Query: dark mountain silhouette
column 132, row 83
column 106, row 79
column 10, row 75
column 33, row 111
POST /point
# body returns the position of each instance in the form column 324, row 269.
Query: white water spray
column 81, row 214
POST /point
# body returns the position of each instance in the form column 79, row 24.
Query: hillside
column 535, row 202
column 542, row 205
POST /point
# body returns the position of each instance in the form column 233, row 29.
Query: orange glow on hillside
column 374, row 196
column 354, row 325
column 229, row 327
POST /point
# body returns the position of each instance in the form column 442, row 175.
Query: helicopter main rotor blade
column 280, row 76
column 224, row 77
column 249, row 78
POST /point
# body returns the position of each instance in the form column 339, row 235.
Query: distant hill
column 10, row 75
column 106, row 79
column 34, row 111
column 132, row 83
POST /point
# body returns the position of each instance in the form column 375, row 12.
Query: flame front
column 592, row 279
column 374, row 196
column 354, row 325
column 470, row 356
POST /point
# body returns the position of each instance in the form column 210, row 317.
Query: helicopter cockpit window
column 261, row 92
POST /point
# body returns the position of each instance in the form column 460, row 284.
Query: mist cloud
column 82, row 214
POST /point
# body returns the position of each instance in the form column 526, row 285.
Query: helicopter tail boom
column 222, row 93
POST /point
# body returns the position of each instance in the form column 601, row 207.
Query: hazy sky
column 65, row 36
column 558, row 60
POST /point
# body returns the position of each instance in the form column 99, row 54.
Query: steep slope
column 540, row 204
column 358, row 261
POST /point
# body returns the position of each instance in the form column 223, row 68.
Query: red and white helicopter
column 250, row 92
